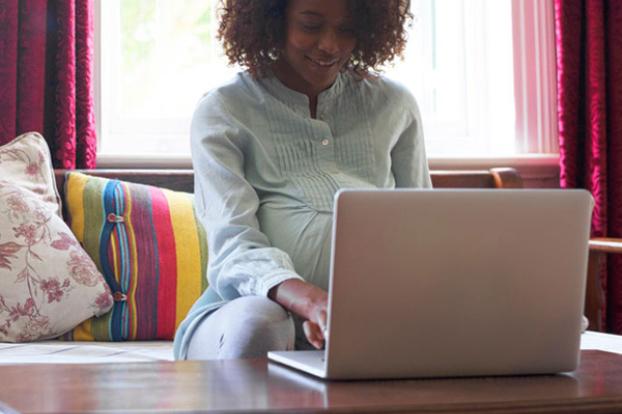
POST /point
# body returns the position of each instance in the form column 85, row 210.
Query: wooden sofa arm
column 606, row 245
column 599, row 247
column 492, row 178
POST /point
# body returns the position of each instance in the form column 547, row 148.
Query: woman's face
column 319, row 42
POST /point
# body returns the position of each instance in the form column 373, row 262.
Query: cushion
column 26, row 162
column 149, row 246
column 48, row 284
column 91, row 352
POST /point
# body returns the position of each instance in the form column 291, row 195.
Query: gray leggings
column 246, row 327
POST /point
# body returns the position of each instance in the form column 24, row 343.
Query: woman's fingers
column 318, row 328
column 315, row 326
column 314, row 334
column 322, row 321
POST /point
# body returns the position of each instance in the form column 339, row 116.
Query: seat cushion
column 59, row 352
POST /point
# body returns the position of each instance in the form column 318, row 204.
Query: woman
column 270, row 149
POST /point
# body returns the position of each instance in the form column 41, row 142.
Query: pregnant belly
column 304, row 234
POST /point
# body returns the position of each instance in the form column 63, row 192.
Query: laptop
column 451, row 283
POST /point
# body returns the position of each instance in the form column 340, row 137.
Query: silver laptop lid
column 457, row 282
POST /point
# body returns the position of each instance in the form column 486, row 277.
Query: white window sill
column 517, row 161
column 145, row 161
column 537, row 161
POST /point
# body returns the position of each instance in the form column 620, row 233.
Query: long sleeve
column 241, row 258
column 409, row 162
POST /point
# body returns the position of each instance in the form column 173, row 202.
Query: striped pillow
column 149, row 246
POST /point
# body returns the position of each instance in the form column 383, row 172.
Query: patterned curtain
column 46, row 66
column 589, row 79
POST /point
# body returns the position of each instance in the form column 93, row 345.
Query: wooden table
column 256, row 385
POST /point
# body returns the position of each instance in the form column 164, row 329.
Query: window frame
column 533, row 24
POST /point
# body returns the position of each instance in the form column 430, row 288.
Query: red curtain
column 589, row 78
column 46, row 67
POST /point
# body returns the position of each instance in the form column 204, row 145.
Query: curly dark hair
column 253, row 32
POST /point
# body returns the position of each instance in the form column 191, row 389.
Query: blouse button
column 325, row 142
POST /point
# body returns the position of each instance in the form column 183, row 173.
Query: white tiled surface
column 58, row 352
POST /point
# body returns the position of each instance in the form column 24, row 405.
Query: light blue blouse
column 266, row 174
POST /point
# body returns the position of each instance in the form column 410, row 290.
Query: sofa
column 140, row 321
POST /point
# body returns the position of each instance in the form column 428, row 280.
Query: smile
column 323, row 63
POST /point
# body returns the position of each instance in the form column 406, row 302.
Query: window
column 481, row 70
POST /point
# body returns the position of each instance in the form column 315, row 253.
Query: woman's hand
column 315, row 325
column 308, row 301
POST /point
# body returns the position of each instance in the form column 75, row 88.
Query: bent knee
column 256, row 307
column 247, row 327
column 255, row 336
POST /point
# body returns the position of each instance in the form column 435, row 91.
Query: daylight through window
column 157, row 57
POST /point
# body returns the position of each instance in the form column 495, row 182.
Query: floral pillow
column 26, row 162
column 48, row 284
